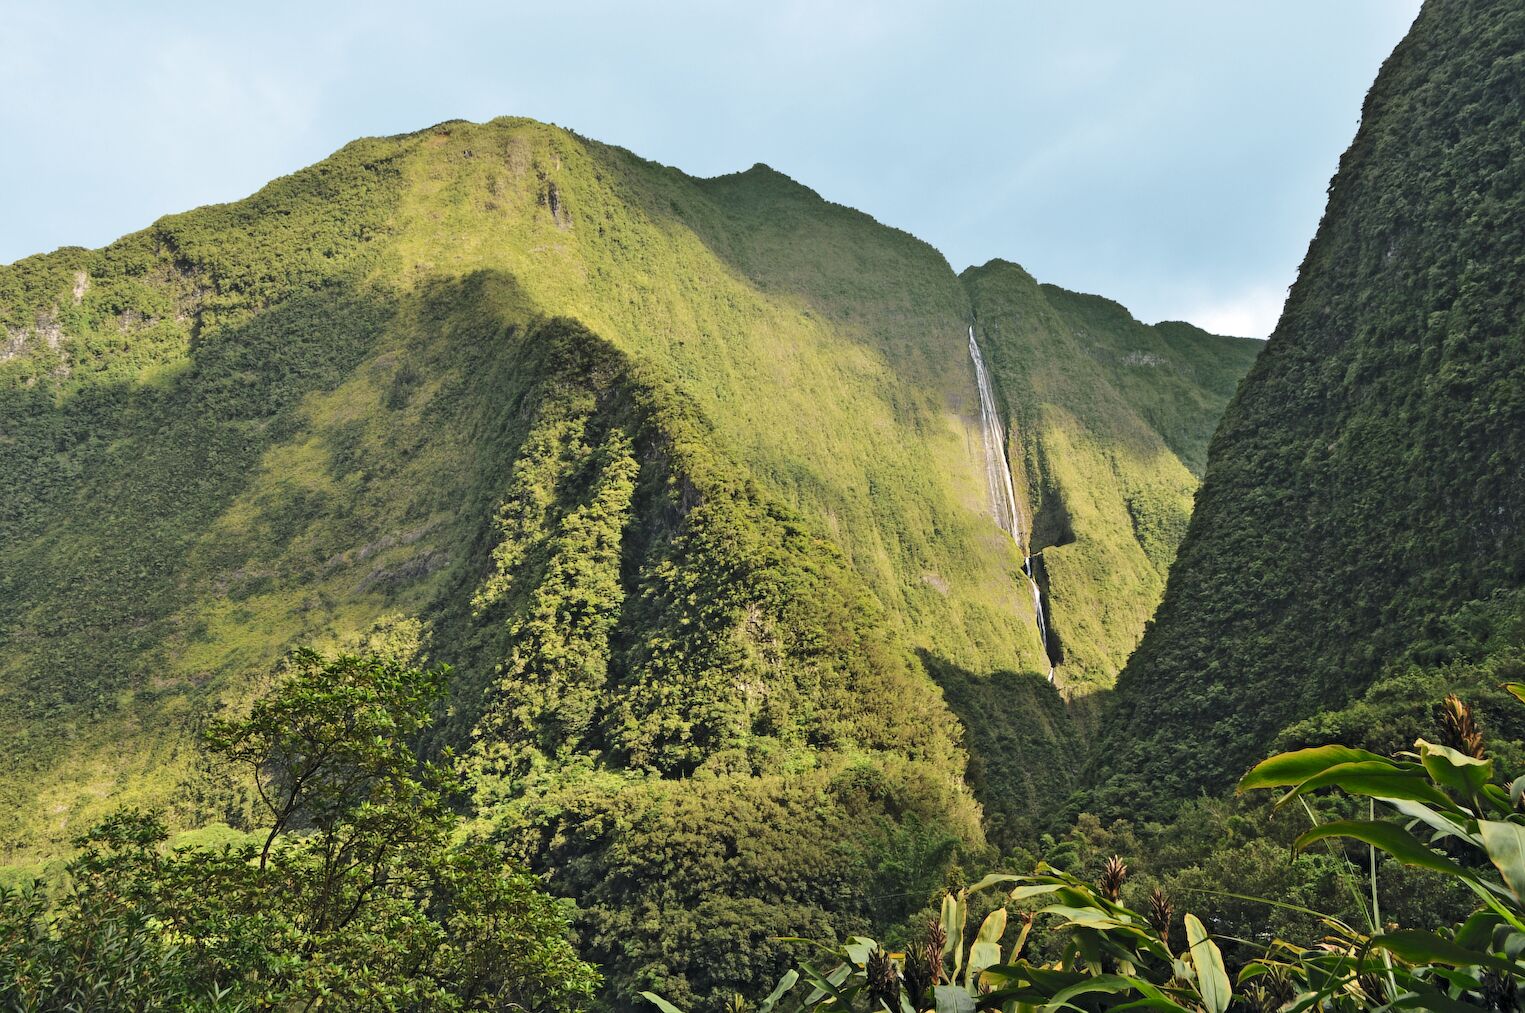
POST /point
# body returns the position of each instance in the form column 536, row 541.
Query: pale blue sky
column 1170, row 154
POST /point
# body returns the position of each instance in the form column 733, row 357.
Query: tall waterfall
column 1003, row 494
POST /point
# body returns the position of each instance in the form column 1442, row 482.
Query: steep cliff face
column 1367, row 480
column 1109, row 424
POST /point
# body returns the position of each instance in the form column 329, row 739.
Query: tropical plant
column 1077, row 946
column 1451, row 819
column 1109, row 955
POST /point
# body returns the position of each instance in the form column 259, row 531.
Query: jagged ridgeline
column 685, row 478
column 1364, row 503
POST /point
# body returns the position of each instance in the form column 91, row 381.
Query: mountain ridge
column 427, row 393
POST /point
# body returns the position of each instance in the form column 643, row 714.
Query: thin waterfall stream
column 1003, row 494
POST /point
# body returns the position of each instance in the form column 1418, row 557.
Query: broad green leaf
column 1212, row 977
column 952, row 999
column 1388, row 837
column 660, row 1003
column 993, row 927
column 1160, row 1001
column 858, row 949
column 1016, row 947
column 1107, row 984
column 1419, row 947
column 953, row 918
column 824, row 985
column 1088, row 945
column 1442, row 823
column 986, row 949
column 1375, row 779
column 1458, row 978
column 948, row 917
column 1505, row 844
column 1088, row 916
column 1516, row 688
column 1048, row 979
column 993, row 879
column 784, row 984
column 1453, row 769
column 1514, row 945
column 1287, row 769
column 1498, row 798
column 1154, row 998
column 1477, row 931
column 1432, row 1000
column 981, row 956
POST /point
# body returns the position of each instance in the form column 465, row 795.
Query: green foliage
column 1367, row 480
column 756, row 741
column 356, row 898
column 1446, row 815
column 1108, row 957
column 1080, row 945
column 273, row 422
column 1021, row 747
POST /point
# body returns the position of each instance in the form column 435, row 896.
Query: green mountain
column 686, row 478
column 1361, row 512
column 1113, row 419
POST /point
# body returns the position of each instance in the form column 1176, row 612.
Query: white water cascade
column 1003, row 495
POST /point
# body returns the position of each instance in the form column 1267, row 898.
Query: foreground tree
column 356, row 896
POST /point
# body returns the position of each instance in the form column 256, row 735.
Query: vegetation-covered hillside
column 1367, row 481
column 1112, row 418
column 683, row 477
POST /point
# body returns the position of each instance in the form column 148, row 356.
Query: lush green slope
column 1367, row 481
column 232, row 430
column 684, row 477
column 1112, row 419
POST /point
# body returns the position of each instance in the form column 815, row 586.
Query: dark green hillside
column 1110, row 420
column 664, row 672
column 1367, row 481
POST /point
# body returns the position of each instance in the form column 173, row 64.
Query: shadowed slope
column 1367, row 481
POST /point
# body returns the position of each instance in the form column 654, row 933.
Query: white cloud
column 1251, row 313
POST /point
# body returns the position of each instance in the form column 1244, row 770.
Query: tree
column 356, row 896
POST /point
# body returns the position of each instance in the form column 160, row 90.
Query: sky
column 1171, row 155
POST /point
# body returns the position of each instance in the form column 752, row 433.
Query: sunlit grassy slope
column 1112, row 420
column 684, row 477
column 220, row 447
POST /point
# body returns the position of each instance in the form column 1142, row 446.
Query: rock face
column 1369, row 478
